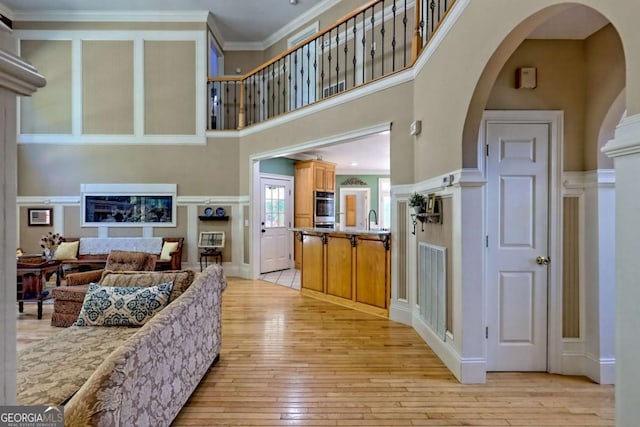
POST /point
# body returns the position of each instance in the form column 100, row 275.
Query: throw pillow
column 167, row 248
column 67, row 250
column 181, row 279
column 130, row 306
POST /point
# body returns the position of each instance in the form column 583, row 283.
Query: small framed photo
column 40, row 216
column 431, row 203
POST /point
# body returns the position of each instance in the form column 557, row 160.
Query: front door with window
column 276, row 242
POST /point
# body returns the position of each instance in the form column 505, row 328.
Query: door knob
column 543, row 260
column 264, row 231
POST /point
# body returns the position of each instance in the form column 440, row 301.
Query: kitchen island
column 350, row 268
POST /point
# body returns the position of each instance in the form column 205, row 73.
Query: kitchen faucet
column 375, row 216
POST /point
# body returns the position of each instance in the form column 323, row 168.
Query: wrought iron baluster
column 291, row 70
column 279, row 74
column 308, row 72
column 373, row 50
column 284, row 86
column 273, row 88
column 364, row 47
column 404, row 23
column 322, row 62
column 337, row 59
column 432, row 6
column 315, row 69
column 254, row 103
column 382, row 41
column 346, row 52
column 235, row 104
column 393, row 40
column 295, row 80
column 263, row 113
column 329, row 64
column 354, row 60
column 439, row 12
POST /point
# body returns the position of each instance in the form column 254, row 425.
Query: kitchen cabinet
column 310, row 176
column 347, row 268
column 325, row 176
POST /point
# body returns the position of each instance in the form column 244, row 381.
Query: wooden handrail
column 314, row 36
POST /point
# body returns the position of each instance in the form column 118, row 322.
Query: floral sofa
column 121, row 376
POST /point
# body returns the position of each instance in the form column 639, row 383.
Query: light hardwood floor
column 290, row 360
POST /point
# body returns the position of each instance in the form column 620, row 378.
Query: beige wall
column 49, row 111
column 58, row 170
column 107, row 87
column 389, row 105
column 246, row 60
column 605, row 81
column 169, row 87
column 561, row 82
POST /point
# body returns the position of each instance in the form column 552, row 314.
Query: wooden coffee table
column 40, row 273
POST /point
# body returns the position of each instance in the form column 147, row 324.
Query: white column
column 599, row 247
column 16, row 78
column 625, row 150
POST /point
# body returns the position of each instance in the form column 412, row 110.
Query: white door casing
column 517, row 230
column 276, row 211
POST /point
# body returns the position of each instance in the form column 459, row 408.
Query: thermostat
column 526, row 78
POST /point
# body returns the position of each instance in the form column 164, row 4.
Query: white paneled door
column 276, row 241
column 517, row 245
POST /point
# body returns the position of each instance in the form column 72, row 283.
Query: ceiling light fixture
column 354, row 164
column 293, row 1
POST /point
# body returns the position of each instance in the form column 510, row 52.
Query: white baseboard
column 466, row 370
column 400, row 312
column 602, row 371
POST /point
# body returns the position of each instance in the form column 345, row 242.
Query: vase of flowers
column 416, row 201
column 49, row 243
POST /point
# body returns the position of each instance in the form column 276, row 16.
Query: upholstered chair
column 68, row 299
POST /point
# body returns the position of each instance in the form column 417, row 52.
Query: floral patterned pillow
column 130, row 306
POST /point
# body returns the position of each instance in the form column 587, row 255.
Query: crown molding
column 293, row 25
column 112, row 16
column 310, row 14
column 18, row 75
column 244, row 46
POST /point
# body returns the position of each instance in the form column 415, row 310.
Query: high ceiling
column 237, row 21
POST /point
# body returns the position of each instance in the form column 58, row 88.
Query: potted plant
column 416, row 201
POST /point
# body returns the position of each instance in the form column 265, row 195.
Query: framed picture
column 40, row 216
column 211, row 239
column 431, row 203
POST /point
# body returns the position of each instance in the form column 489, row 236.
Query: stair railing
column 374, row 41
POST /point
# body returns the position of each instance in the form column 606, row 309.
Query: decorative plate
column 220, row 212
column 208, row 212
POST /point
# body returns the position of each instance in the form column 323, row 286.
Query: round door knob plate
column 542, row 260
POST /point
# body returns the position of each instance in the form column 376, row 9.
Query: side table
column 216, row 254
column 39, row 272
